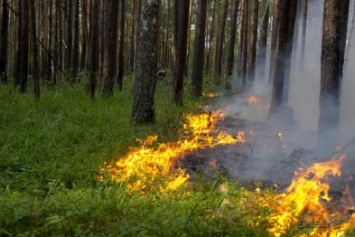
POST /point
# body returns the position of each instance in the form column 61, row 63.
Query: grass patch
column 50, row 154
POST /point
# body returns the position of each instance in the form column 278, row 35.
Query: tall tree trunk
column 292, row 12
column 219, row 41
column 304, row 31
column 181, row 22
column 279, row 59
column 261, row 56
column 23, row 47
column 69, row 34
column 74, row 60
column 210, row 37
column 335, row 21
column 274, row 36
column 121, row 48
column 231, row 43
column 4, row 33
column 252, row 42
column 110, row 47
column 243, row 50
column 35, row 66
column 167, row 35
column 199, row 49
column 94, row 42
column 145, row 77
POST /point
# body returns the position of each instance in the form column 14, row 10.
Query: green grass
column 50, row 155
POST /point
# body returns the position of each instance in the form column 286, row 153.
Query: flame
column 210, row 94
column 305, row 202
column 152, row 165
column 252, row 99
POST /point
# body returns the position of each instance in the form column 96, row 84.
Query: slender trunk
column 304, row 31
column 35, row 66
column 181, row 22
column 121, row 45
column 74, row 60
column 199, row 49
column 210, row 38
column 94, row 55
column 261, row 56
column 252, row 42
column 231, row 42
column 219, row 41
column 4, row 42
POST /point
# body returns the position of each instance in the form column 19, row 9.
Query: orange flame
column 252, row 99
column 210, row 94
column 304, row 203
column 148, row 166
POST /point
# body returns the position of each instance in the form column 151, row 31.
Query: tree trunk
column 279, row 58
column 252, row 42
column 335, row 21
column 210, row 38
column 94, row 54
column 4, row 33
column 199, row 49
column 222, row 13
column 304, row 31
column 145, row 77
column 243, row 51
column 69, row 35
column 120, row 67
column 74, row 60
column 35, row 66
column 23, row 47
column 111, row 10
column 231, row 43
column 274, row 36
column 181, row 22
column 291, row 18
column 261, row 56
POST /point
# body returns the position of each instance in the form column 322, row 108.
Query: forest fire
column 151, row 165
column 306, row 204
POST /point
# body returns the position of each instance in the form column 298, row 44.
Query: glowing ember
column 252, row 99
column 305, row 203
column 151, row 165
column 210, row 94
column 282, row 140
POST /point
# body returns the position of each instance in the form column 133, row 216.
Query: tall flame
column 151, row 165
column 305, row 202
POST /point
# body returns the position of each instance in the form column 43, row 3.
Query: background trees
column 95, row 43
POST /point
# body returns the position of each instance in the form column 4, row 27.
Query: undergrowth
column 50, row 154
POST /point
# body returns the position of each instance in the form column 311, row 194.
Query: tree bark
column 261, row 56
column 94, row 54
column 181, row 22
column 145, row 77
column 199, row 49
column 231, row 43
column 222, row 13
column 210, row 38
column 252, row 42
column 121, row 48
column 335, row 21
column 23, row 47
column 4, row 33
column 304, row 31
column 35, row 66
column 111, row 26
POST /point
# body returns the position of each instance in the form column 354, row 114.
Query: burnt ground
column 266, row 159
